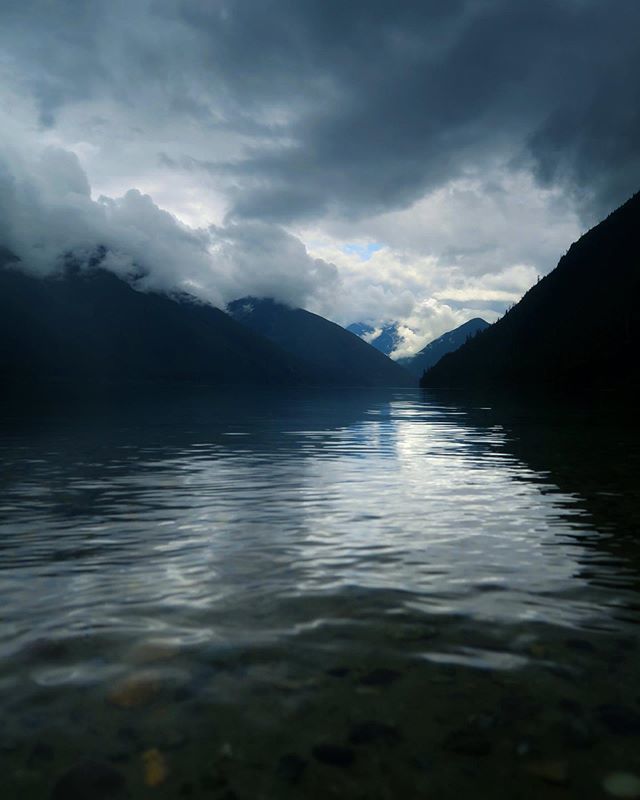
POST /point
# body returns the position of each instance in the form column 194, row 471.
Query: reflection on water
column 358, row 594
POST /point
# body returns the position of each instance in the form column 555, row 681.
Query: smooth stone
column 214, row 780
column 291, row 767
column 153, row 651
column 619, row 720
column 90, row 780
column 155, row 767
column 172, row 740
column 339, row 672
column 47, row 649
column 137, row 689
column 373, row 732
column 578, row 733
column 467, row 743
column 556, row 771
column 538, row 650
column 183, row 693
column 483, row 721
column 622, row 784
column 334, row 754
column 128, row 733
column 567, row 704
column 41, row 751
column 120, row 756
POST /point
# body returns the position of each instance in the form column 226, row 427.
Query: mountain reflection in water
column 356, row 594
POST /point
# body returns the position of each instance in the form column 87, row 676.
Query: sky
column 421, row 162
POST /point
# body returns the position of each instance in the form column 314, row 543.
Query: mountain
column 93, row 327
column 444, row 344
column 386, row 341
column 577, row 328
column 337, row 356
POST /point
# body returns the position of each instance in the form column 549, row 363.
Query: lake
column 351, row 594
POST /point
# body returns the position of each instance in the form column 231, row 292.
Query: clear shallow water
column 361, row 594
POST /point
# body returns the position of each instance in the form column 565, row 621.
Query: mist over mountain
column 386, row 338
column 92, row 327
column 447, row 343
column 336, row 355
column 86, row 324
column 577, row 328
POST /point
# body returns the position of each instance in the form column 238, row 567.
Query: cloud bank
column 47, row 215
column 420, row 161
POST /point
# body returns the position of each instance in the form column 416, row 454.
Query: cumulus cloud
column 468, row 143
column 323, row 107
column 47, row 215
column 488, row 240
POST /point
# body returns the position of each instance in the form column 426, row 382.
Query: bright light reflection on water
column 272, row 573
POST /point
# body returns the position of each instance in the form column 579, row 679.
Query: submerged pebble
column 152, row 651
column 137, row 689
column 620, row 720
column 373, row 732
column 155, row 767
column 335, row 755
column 41, row 751
column 338, row 672
column 552, row 771
column 291, row 767
column 172, row 739
column 467, row 743
column 622, row 784
column 90, row 780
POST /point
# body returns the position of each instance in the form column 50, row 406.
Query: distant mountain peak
column 336, row 356
column 384, row 337
column 447, row 343
column 574, row 329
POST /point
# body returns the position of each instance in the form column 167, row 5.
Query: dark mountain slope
column 95, row 327
column 447, row 343
column 337, row 356
column 576, row 328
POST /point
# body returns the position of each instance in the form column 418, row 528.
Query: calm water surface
column 357, row 594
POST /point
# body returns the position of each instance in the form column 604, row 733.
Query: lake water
column 354, row 594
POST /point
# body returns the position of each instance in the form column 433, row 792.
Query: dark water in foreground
column 354, row 595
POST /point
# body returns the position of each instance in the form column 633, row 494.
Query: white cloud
column 470, row 248
column 47, row 212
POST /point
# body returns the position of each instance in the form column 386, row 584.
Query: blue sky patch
column 364, row 251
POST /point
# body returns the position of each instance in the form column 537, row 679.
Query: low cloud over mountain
column 421, row 161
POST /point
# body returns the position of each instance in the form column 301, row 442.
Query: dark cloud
column 553, row 82
column 355, row 107
column 433, row 128
column 386, row 101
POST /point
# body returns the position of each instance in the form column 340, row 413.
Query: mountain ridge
column 328, row 348
column 446, row 343
column 386, row 341
column 94, row 327
column 89, row 326
column 576, row 328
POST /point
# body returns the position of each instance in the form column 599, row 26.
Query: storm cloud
column 313, row 125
